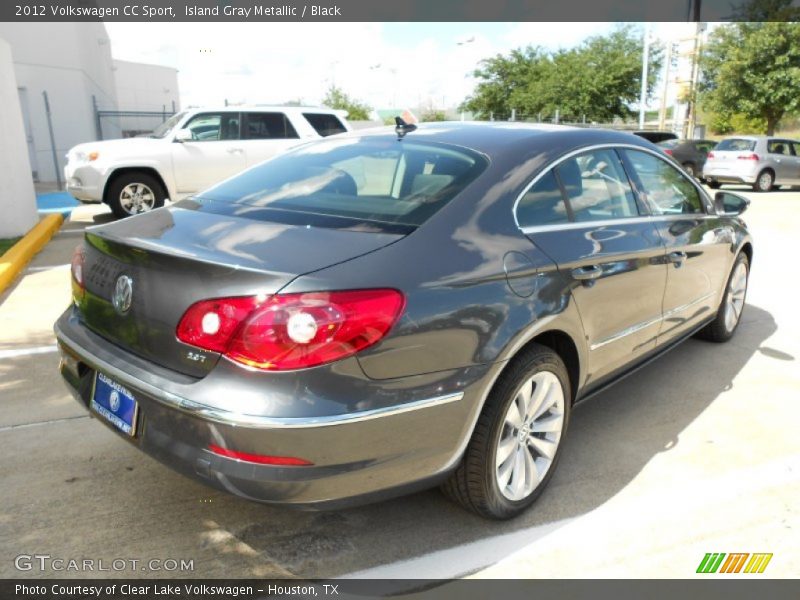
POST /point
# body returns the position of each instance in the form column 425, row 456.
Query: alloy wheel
column 137, row 198
column 737, row 289
column 531, row 433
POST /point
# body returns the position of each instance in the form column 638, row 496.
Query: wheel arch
column 747, row 248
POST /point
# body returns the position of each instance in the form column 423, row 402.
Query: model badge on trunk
column 123, row 294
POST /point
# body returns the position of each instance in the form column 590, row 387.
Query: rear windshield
column 365, row 180
column 736, row 145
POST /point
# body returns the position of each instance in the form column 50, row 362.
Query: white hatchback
column 189, row 152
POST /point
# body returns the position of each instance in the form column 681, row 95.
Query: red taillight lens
column 751, row 156
column 210, row 324
column 709, row 155
column 292, row 331
column 77, row 268
column 261, row 459
column 667, row 151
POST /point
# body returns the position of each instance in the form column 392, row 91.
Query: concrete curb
column 16, row 257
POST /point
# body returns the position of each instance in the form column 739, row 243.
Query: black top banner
column 399, row 10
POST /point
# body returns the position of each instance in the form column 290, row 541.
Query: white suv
column 189, row 152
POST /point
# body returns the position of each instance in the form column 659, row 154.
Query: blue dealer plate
column 114, row 403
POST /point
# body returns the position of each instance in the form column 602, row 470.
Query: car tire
column 690, row 169
column 729, row 314
column 714, row 185
column 135, row 192
column 764, row 181
column 501, row 489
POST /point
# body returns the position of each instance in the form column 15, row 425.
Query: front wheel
column 690, row 169
column 714, row 185
column 727, row 319
column 133, row 193
column 764, row 181
column 515, row 445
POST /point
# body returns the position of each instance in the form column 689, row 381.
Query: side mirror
column 183, row 135
column 728, row 203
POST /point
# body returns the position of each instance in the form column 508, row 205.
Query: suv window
column 705, row 147
column 666, row 190
column 212, row 127
column 325, row 124
column 779, row 147
column 597, row 186
column 543, row 204
column 267, row 126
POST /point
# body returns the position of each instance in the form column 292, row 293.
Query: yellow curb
column 16, row 257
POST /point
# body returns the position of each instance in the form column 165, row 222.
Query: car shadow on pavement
column 611, row 438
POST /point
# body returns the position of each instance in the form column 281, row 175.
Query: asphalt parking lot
column 696, row 453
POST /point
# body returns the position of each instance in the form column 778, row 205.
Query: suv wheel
column 689, row 168
column 133, row 193
column 515, row 446
column 714, row 185
column 764, row 181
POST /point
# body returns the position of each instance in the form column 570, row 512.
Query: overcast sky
column 380, row 63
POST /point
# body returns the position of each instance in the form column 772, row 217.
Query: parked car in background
column 765, row 162
column 189, row 152
column 656, row 136
column 691, row 154
column 381, row 312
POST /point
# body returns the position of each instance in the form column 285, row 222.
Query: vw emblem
column 113, row 401
column 123, row 294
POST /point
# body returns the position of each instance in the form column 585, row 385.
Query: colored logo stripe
column 758, row 563
column 710, row 562
column 733, row 564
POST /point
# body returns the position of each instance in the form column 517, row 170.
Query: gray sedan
column 392, row 310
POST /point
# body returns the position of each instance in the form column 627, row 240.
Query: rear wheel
column 764, row 181
column 133, row 193
column 515, row 446
column 690, row 169
column 714, row 185
column 722, row 328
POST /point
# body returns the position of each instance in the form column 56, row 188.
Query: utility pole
column 662, row 111
column 691, row 116
column 645, row 61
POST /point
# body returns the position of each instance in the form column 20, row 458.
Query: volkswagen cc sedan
column 383, row 312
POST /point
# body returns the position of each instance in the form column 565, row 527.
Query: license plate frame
column 116, row 404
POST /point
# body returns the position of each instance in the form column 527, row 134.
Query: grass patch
column 6, row 244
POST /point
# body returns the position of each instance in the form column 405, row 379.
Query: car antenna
column 402, row 128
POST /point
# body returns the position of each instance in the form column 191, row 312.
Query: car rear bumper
column 728, row 176
column 357, row 457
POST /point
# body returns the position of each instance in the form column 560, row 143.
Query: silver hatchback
column 764, row 162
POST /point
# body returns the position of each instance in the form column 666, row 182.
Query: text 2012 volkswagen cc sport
column 382, row 312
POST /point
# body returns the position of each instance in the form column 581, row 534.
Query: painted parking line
column 16, row 353
column 48, row 267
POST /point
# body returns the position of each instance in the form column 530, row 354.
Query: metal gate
column 111, row 124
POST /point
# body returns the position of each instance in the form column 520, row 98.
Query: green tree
column 601, row 79
column 752, row 70
column 336, row 98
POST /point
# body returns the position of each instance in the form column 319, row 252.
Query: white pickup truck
column 189, row 152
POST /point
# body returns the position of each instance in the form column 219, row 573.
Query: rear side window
column 779, row 147
column 665, row 189
column 597, row 187
column 736, row 145
column 325, row 124
column 543, row 204
column 362, row 181
column 267, row 126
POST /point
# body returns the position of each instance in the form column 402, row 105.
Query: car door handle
column 587, row 273
column 676, row 257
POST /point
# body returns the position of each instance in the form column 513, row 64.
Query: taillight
column 292, row 331
column 261, row 459
column 667, row 151
column 77, row 268
column 709, row 155
column 751, row 156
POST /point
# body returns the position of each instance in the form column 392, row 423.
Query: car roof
column 498, row 136
column 267, row 108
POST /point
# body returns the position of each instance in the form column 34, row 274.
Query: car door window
column 543, row 204
column 597, row 186
column 665, row 189
column 779, row 147
column 268, row 126
column 212, row 127
column 325, row 124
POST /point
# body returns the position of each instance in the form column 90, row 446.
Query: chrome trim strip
column 569, row 155
column 225, row 417
column 611, row 222
column 644, row 324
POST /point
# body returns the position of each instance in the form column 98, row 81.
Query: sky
column 382, row 64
